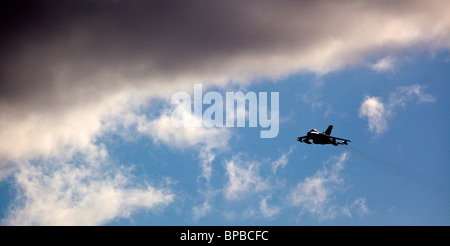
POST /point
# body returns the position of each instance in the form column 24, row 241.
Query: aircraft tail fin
column 328, row 131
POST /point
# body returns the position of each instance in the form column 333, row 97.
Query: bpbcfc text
column 226, row 236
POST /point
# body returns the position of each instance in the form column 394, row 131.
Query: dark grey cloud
column 60, row 56
column 162, row 39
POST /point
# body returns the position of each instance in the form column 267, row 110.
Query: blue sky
column 396, row 177
column 86, row 136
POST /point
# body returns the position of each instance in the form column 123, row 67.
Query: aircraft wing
column 348, row 140
column 300, row 139
column 304, row 139
column 342, row 139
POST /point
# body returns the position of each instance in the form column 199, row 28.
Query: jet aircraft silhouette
column 322, row 137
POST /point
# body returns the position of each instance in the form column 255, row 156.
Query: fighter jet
column 322, row 137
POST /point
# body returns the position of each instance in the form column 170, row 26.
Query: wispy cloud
column 267, row 210
column 282, row 161
column 162, row 130
column 245, row 181
column 360, row 207
column 384, row 65
column 317, row 194
column 85, row 193
column 243, row 178
column 378, row 111
column 403, row 94
column 208, row 139
column 201, row 211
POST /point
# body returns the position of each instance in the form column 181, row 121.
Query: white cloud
column 243, row 178
column 385, row 64
column 377, row 112
column 161, row 129
column 317, row 194
column 58, row 193
column 208, row 139
column 360, row 206
column 404, row 94
column 282, row 161
column 63, row 175
column 61, row 134
column 201, row 210
column 266, row 210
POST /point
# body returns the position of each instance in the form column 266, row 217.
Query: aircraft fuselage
column 319, row 138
